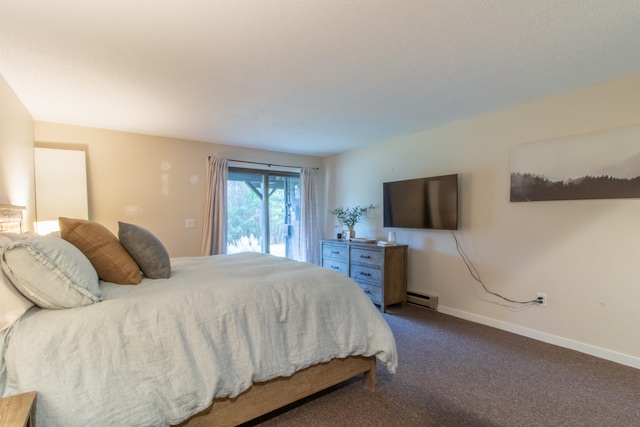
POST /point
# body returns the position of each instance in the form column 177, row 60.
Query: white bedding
column 158, row 352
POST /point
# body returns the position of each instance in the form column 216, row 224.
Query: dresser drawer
column 335, row 252
column 366, row 256
column 340, row 266
column 369, row 274
column 373, row 292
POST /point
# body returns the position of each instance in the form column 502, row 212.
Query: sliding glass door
column 263, row 209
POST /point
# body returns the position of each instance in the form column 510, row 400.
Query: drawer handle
column 335, row 267
column 335, row 252
column 365, row 256
column 365, row 274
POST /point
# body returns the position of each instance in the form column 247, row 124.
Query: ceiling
column 304, row 76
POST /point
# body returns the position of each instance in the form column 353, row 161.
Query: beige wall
column 151, row 181
column 583, row 254
column 16, row 154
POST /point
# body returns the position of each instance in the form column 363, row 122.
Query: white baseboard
column 602, row 353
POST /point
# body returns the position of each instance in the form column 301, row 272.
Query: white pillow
column 17, row 236
column 51, row 272
column 12, row 303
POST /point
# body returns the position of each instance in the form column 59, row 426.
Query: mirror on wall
column 61, row 187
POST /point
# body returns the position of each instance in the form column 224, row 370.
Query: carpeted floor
column 457, row 373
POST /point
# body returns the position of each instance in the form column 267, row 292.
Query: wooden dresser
column 381, row 271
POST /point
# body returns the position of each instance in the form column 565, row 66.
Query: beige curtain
column 310, row 231
column 214, row 234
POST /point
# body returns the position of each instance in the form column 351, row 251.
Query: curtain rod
column 266, row 164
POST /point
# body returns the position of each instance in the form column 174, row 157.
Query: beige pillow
column 102, row 247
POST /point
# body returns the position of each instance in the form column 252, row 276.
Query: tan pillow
column 102, row 247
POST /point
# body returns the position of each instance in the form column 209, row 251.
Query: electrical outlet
column 542, row 299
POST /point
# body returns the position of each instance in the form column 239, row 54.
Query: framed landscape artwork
column 599, row 165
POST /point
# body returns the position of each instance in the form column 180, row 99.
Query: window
column 263, row 211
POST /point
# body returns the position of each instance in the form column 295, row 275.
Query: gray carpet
column 457, row 373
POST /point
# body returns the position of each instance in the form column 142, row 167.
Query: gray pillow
column 146, row 249
column 51, row 272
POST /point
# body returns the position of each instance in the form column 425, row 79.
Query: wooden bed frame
column 265, row 397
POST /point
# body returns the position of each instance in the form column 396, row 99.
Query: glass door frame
column 266, row 174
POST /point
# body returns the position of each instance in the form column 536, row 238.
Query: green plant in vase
column 349, row 217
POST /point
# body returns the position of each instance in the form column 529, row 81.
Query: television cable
column 476, row 275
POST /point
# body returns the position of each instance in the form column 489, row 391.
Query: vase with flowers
column 349, row 217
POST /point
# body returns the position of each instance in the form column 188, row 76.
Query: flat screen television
column 430, row 202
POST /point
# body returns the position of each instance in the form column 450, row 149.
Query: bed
column 221, row 341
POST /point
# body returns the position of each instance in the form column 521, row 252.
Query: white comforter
column 157, row 353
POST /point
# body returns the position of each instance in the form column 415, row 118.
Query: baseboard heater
column 425, row 301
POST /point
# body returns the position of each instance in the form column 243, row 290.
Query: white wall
column 582, row 254
column 16, row 154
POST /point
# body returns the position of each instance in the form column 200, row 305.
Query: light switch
column 191, row 223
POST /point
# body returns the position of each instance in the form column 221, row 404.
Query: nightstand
column 18, row 410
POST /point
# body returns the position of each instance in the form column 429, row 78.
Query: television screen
column 422, row 203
